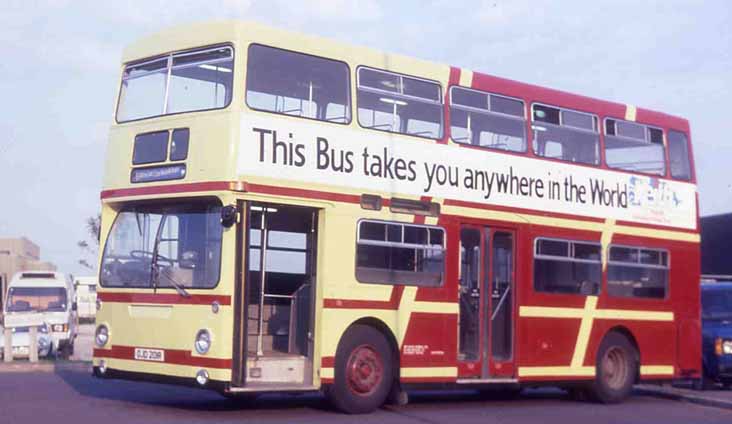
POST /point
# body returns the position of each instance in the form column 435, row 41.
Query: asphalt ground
column 48, row 390
column 69, row 394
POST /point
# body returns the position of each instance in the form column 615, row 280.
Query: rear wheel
column 616, row 368
column 364, row 371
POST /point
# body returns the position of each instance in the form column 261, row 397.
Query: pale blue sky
column 59, row 77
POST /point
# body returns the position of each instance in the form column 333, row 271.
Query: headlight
column 101, row 336
column 203, row 342
column 727, row 347
column 43, row 329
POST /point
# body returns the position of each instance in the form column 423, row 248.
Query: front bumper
column 60, row 339
column 114, row 374
column 23, row 352
column 720, row 368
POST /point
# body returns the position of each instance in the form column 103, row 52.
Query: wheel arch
column 384, row 329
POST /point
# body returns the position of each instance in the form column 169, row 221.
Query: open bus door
column 275, row 296
column 487, row 293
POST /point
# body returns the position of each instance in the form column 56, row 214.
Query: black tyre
column 705, row 383
column 364, row 371
column 616, row 369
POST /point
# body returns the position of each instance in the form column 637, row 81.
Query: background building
column 716, row 245
column 16, row 255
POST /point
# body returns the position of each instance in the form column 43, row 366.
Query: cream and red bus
column 285, row 213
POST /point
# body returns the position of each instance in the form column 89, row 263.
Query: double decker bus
column 285, row 213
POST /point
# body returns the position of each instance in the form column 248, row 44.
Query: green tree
column 90, row 245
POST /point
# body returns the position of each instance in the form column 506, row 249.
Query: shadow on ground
column 79, row 378
column 179, row 397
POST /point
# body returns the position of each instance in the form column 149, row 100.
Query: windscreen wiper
column 176, row 285
column 155, row 268
column 154, row 271
column 139, row 225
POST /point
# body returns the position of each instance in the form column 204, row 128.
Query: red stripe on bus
column 327, row 361
column 299, row 192
column 170, row 188
column 427, row 379
column 491, row 207
column 349, row 198
column 171, row 356
column 657, row 227
column 420, row 219
column 163, row 298
column 391, row 304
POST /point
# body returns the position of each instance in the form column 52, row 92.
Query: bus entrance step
column 276, row 369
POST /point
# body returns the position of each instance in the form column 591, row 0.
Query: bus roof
column 39, row 279
column 187, row 36
column 86, row 281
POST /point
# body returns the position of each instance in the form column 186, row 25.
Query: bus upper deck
column 244, row 79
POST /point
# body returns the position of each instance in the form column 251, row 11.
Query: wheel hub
column 364, row 370
column 615, row 368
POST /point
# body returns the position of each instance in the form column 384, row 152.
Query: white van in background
column 50, row 294
column 86, row 297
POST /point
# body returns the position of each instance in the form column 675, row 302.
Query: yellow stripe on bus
column 408, row 372
column 588, row 371
column 561, row 371
column 327, row 373
column 583, row 337
column 466, row 78
column 429, row 372
column 575, row 224
column 656, row 369
column 587, row 314
column 630, row 113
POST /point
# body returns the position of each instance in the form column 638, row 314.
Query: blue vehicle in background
column 716, row 298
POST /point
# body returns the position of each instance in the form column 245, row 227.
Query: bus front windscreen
column 36, row 299
column 165, row 245
column 181, row 82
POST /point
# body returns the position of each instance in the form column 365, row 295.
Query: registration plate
column 156, row 355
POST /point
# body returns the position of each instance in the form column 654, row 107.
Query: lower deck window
column 637, row 272
column 396, row 253
column 562, row 266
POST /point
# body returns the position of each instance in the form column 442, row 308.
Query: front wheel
column 364, row 371
column 616, row 369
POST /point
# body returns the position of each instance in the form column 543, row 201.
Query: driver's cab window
column 164, row 245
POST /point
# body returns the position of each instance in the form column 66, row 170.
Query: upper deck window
column 399, row 103
column 678, row 152
column 298, row 84
column 566, row 135
column 487, row 120
column 634, row 147
column 180, row 82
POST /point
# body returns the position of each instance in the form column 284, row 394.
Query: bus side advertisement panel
column 374, row 161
